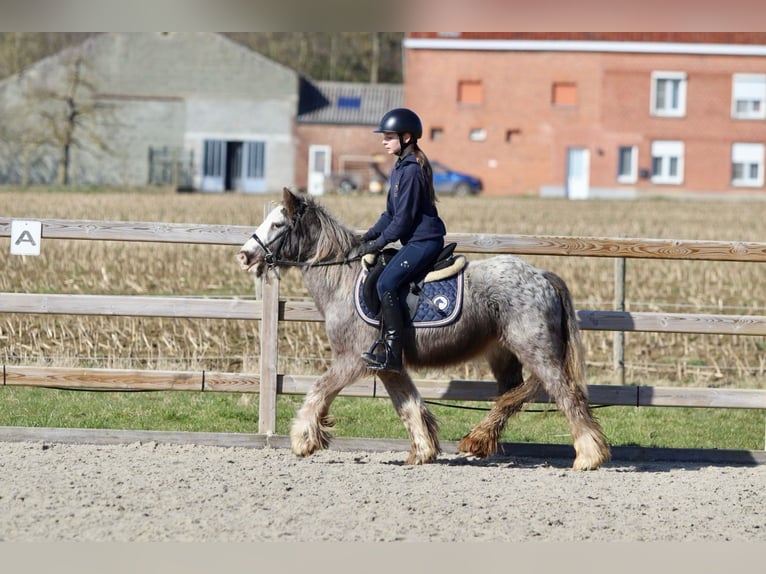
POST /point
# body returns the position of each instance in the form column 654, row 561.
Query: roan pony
column 513, row 313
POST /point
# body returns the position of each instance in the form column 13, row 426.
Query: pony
column 514, row 314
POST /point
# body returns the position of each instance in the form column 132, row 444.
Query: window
column 470, row 92
column 668, row 162
column 350, row 102
column 747, row 164
column 477, row 135
column 437, row 134
column 748, row 100
column 669, row 94
column 213, row 158
column 627, row 164
column 256, row 161
column 510, row 134
column 564, row 94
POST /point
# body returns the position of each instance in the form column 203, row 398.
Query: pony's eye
column 278, row 224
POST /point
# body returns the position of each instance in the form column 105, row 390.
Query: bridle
column 273, row 258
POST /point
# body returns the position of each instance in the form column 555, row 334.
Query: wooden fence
column 270, row 309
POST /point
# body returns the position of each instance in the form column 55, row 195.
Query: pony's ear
column 290, row 201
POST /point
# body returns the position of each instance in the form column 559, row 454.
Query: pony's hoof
column 301, row 448
column 306, row 439
column 589, row 463
column 591, row 453
column 414, row 459
column 479, row 448
column 585, row 464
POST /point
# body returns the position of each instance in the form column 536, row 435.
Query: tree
column 339, row 56
column 21, row 49
column 342, row 56
column 47, row 110
column 64, row 114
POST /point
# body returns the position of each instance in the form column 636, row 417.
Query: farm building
column 593, row 114
column 196, row 109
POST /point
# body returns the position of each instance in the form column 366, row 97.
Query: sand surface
column 148, row 491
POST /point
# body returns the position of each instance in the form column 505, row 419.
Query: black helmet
column 401, row 120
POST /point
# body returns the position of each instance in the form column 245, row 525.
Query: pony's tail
column 574, row 355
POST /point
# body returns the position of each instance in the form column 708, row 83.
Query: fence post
column 267, row 409
column 618, row 338
column 267, row 290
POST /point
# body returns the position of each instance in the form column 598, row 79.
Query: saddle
column 435, row 299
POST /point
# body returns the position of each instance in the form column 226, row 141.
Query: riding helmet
column 401, row 120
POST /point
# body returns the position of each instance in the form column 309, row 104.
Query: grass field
column 178, row 344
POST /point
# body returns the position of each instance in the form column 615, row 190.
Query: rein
column 344, row 261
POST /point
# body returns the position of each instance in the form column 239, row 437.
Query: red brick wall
column 613, row 109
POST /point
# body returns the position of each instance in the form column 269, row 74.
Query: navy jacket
column 409, row 214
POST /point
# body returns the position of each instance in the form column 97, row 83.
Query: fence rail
column 72, row 378
column 291, row 310
column 271, row 310
column 235, row 235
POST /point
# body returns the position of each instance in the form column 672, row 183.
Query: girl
column 412, row 219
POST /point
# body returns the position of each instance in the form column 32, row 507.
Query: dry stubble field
column 145, row 269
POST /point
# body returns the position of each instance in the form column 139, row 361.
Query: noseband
column 271, row 257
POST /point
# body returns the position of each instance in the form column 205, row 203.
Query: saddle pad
column 438, row 304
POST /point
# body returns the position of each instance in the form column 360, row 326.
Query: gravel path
column 148, row 491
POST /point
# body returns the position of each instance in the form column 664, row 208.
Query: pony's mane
column 333, row 239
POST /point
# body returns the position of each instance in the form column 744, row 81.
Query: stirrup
column 372, row 358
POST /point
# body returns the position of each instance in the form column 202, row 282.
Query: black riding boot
column 392, row 327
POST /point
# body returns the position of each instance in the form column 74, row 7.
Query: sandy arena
column 149, row 491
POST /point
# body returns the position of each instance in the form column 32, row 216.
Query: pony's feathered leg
column 591, row 448
column 568, row 388
column 312, row 426
column 483, row 439
column 420, row 423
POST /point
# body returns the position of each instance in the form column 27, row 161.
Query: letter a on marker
column 25, row 237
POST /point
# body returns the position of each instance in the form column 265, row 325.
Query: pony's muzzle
column 244, row 260
column 249, row 261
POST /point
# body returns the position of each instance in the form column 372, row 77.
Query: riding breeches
column 410, row 262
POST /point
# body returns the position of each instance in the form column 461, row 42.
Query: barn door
column 233, row 166
column 214, row 165
column 254, row 167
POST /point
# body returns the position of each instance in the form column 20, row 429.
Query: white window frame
column 666, row 151
column 666, row 93
column 748, row 88
column 632, row 175
column 477, row 135
column 749, row 155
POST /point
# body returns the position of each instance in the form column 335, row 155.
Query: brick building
column 593, row 114
column 335, row 145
